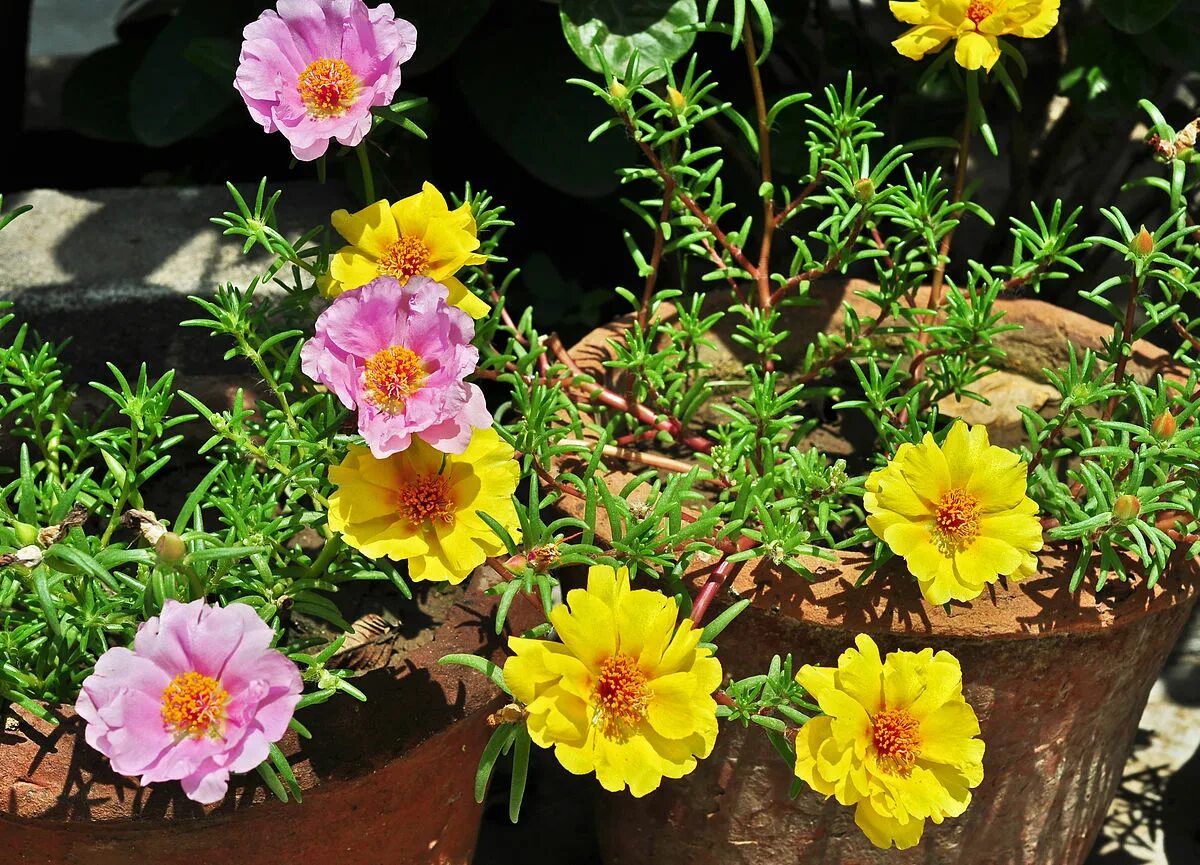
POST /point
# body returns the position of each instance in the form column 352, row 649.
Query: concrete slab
column 111, row 269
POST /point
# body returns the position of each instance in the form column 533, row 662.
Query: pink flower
column 315, row 68
column 201, row 694
column 399, row 354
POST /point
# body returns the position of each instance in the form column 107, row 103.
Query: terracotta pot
column 388, row 781
column 1058, row 679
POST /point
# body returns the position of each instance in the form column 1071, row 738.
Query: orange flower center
column 391, row 376
column 408, row 256
column 194, row 705
column 327, row 87
column 896, row 735
column 426, row 498
column 622, row 697
column 978, row 10
column 956, row 521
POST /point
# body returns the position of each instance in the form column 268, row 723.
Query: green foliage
column 610, row 34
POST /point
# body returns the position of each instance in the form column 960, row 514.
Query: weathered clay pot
column 1058, row 679
column 385, row 782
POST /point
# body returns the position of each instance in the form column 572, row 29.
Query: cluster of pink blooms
column 314, row 69
column 202, row 693
column 398, row 355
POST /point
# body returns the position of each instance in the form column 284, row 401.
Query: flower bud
column 26, row 533
column 1142, row 243
column 1164, row 426
column 676, row 99
column 864, row 190
column 1126, row 508
column 170, row 548
column 617, row 90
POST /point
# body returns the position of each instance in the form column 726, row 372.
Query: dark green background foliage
column 159, row 106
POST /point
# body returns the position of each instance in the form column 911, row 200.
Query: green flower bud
column 170, row 548
column 1126, row 508
column 864, row 190
column 617, row 90
column 26, row 534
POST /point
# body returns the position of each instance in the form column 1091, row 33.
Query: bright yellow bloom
column 420, row 505
column 417, row 236
column 897, row 740
column 626, row 694
column 976, row 24
column 958, row 513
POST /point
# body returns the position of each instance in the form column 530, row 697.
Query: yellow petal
column 465, row 299
column 922, row 40
column 608, row 584
column 679, row 708
column 860, row 673
column 809, row 740
column 924, row 468
column 525, row 672
column 1033, row 19
column 412, row 214
column 587, row 628
column 977, row 51
column 964, row 450
column 948, row 736
column 915, row 12
column 1018, row 528
column 371, row 229
column 349, row 268
column 633, row 762
column 645, row 620
column 884, row 831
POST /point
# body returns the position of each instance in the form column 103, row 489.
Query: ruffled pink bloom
column 398, row 355
column 313, row 69
column 201, row 694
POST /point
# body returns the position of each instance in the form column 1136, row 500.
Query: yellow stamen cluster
column 327, row 87
column 896, row 735
column 622, row 696
column 407, row 257
column 391, row 376
column 426, row 498
column 956, row 521
column 194, row 705
column 978, row 10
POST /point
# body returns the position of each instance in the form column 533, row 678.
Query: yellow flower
column 626, row 694
column 958, row 513
column 416, row 236
column 976, row 24
column 897, row 740
column 420, row 505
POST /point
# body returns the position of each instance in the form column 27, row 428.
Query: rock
column 1004, row 392
column 112, row 269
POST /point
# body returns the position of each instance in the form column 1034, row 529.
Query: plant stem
column 368, row 179
column 763, row 276
column 656, row 256
column 960, row 181
column 1126, row 344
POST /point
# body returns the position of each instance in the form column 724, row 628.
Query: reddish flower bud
column 1126, row 508
column 1164, row 426
column 1142, row 243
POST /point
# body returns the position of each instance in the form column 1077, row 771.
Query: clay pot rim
column 889, row 602
column 466, row 627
